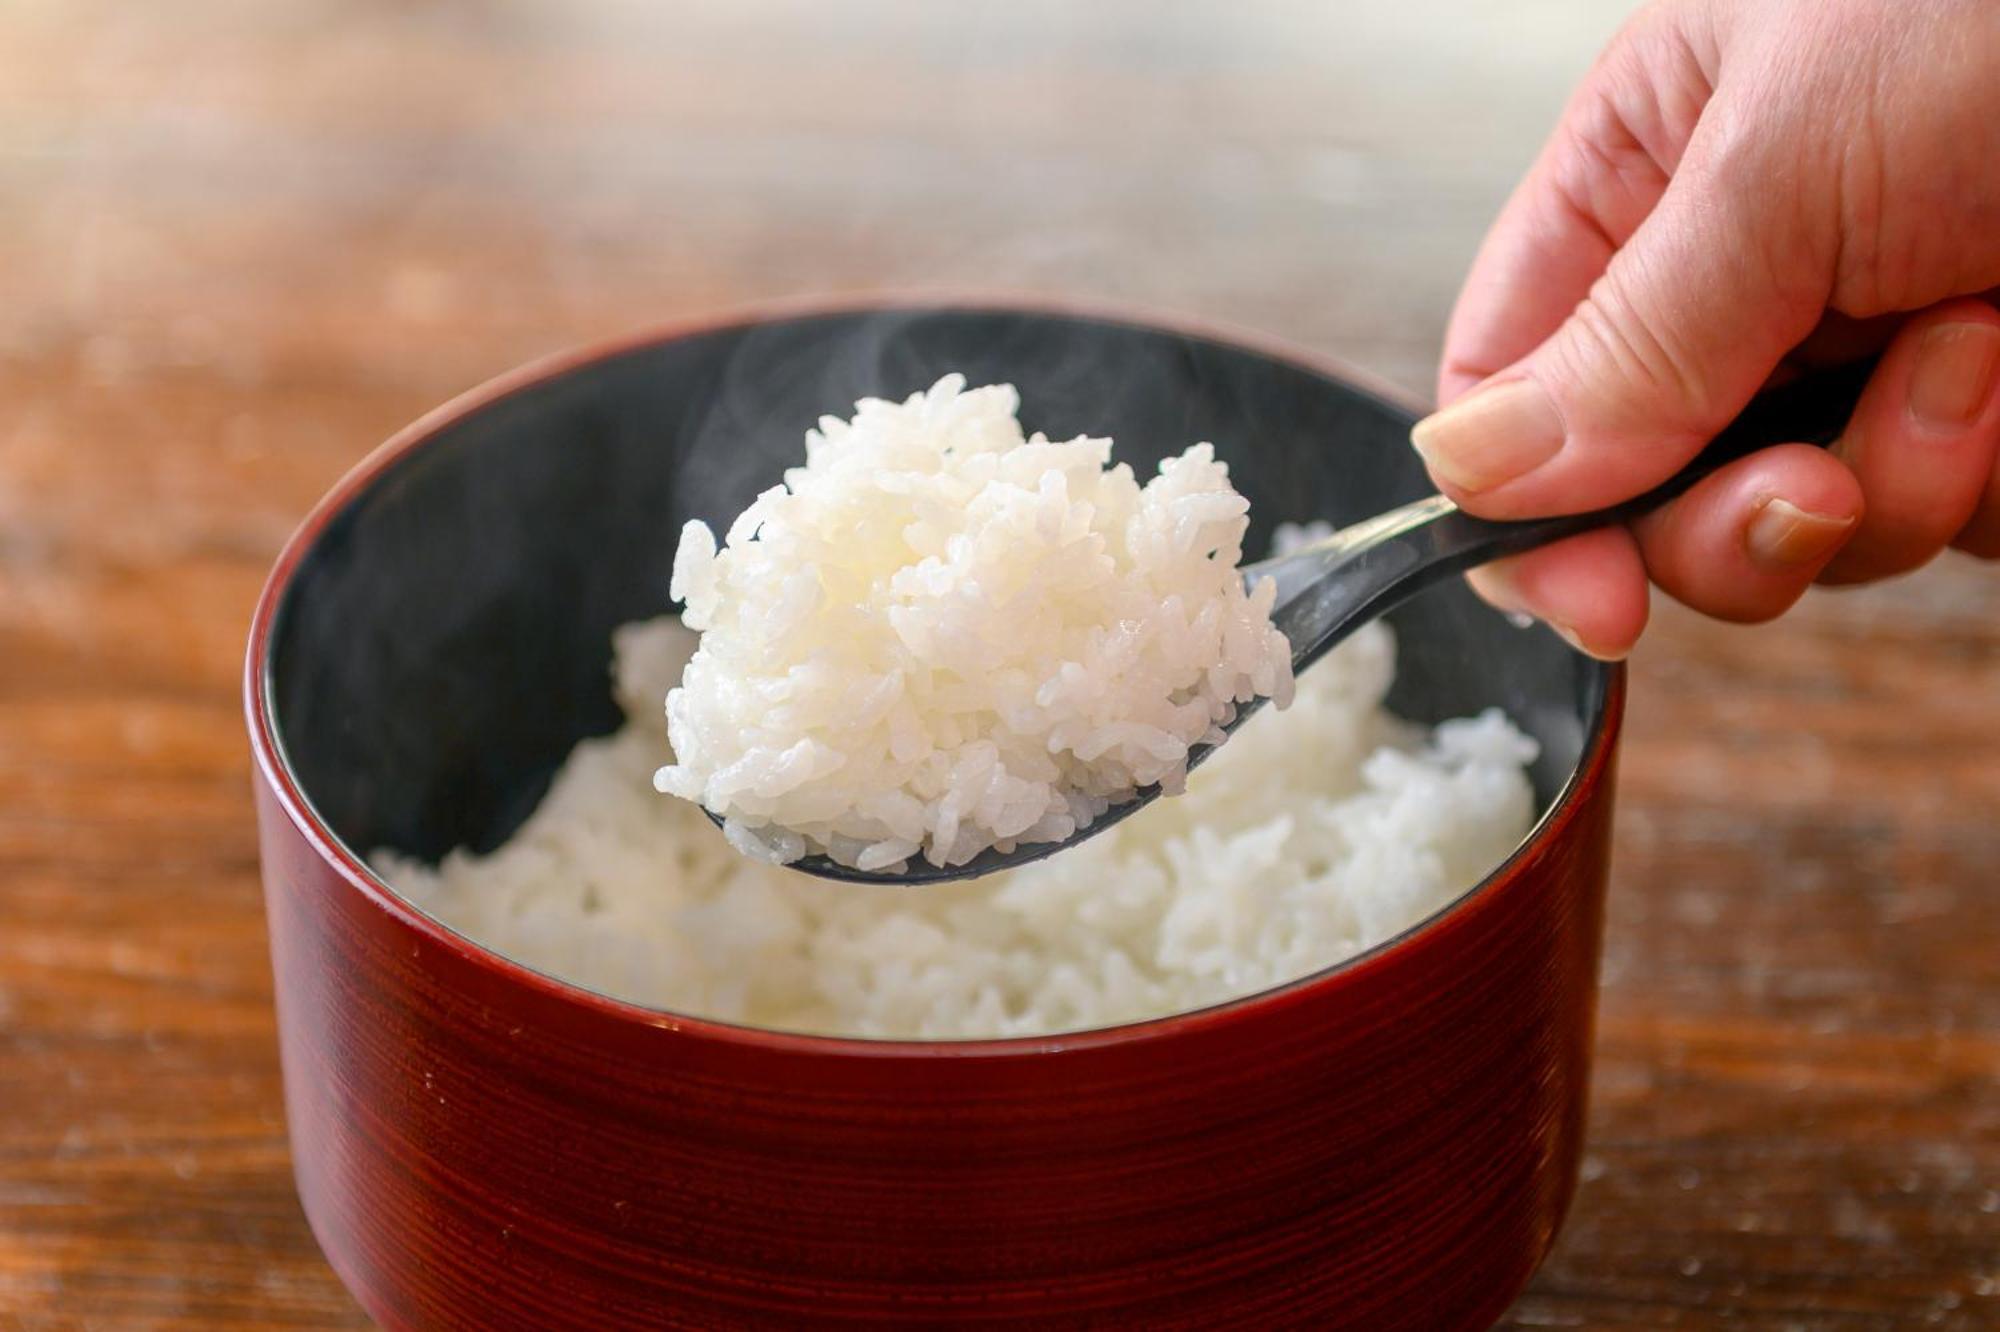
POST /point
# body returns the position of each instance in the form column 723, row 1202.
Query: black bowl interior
column 447, row 640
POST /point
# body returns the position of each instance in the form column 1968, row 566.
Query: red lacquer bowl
column 1390, row 1143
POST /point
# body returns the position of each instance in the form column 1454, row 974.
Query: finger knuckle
column 1619, row 333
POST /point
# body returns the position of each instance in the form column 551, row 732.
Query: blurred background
column 240, row 243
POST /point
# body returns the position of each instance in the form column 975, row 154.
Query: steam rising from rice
column 939, row 636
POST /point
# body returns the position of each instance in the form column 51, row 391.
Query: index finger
column 1596, row 180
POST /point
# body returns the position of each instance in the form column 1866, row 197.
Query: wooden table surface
column 242, row 242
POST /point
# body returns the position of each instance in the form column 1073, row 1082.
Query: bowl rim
column 274, row 764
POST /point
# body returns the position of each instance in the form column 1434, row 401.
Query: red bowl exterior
column 1389, row 1144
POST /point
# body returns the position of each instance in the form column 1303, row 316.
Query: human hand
column 1740, row 188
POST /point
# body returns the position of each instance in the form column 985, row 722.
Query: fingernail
column 1956, row 366
column 1575, row 640
column 1495, row 586
column 1491, row 436
column 1781, row 535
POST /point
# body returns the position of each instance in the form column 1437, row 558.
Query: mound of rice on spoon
column 940, row 636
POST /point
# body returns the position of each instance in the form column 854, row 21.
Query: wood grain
column 241, row 243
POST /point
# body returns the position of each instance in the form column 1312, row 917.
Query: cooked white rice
column 1307, row 838
column 939, row 636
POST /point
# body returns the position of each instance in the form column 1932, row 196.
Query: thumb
column 1687, row 322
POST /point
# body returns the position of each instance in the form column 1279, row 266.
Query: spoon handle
column 1811, row 409
column 1325, row 590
